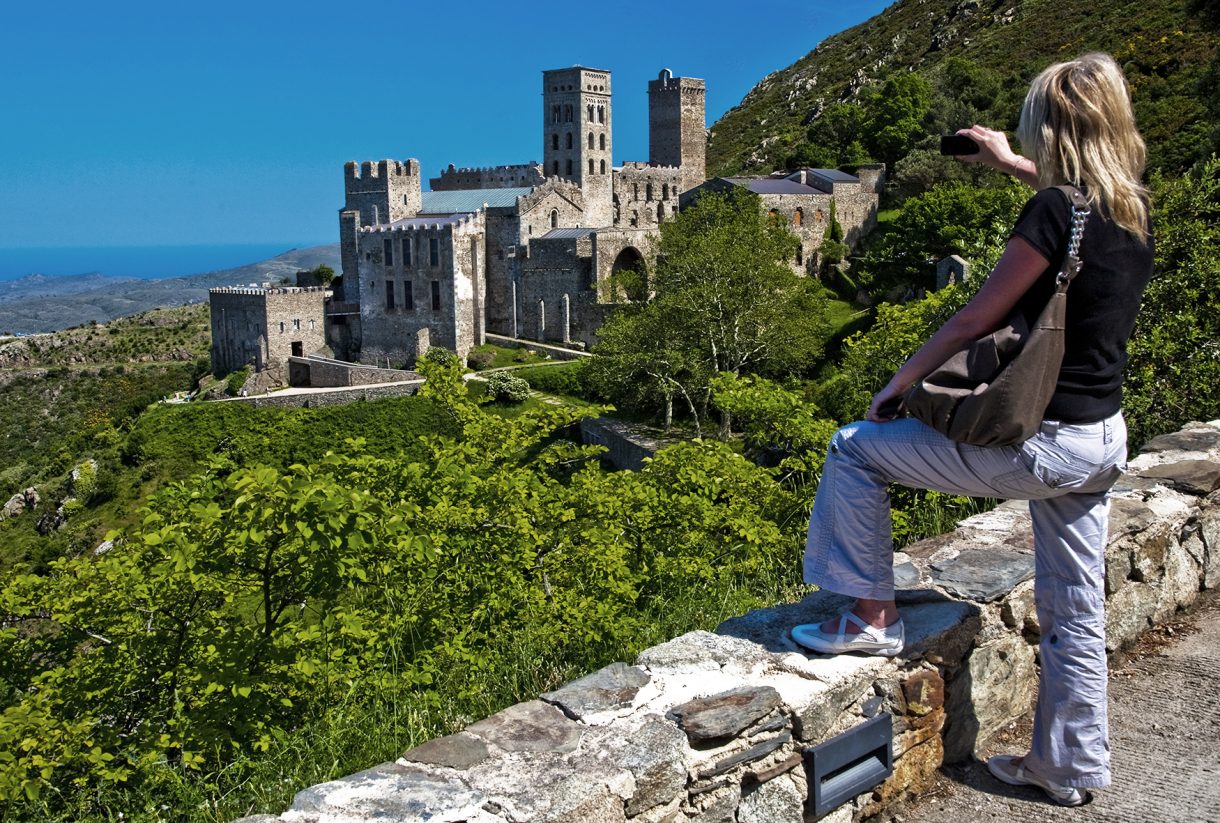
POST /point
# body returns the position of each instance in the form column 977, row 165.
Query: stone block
column 390, row 791
column 1201, row 439
column 913, row 772
column 1017, row 610
column 654, row 755
column 1118, row 561
column 924, row 691
column 1180, row 585
column 529, row 727
column 702, row 651
column 1209, row 531
column 456, row 751
column 726, row 714
column 1129, row 613
column 929, row 726
column 715, row 806
column 757, row 752
column 775, row 802
column 613, row 687
column 996, row 686
column 984, row 576
column 1197, row 477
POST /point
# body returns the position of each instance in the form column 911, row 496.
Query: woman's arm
column 1016, row 272
column 994, row 151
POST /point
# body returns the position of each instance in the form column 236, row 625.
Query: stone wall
column 434, row 269
column 492, row 177
column 646, row 195
column 677, row 131
column 324, row 372
column 316, row 398
column 713, row 726
column 263, row 327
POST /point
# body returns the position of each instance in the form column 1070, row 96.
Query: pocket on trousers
column 1052, row 470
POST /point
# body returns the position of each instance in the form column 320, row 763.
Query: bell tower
column 577, row 135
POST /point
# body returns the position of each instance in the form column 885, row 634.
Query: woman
column 1076, row 127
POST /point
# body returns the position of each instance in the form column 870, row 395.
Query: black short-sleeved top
column 1101, row 306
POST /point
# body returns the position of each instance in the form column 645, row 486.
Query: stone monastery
column 525, row 251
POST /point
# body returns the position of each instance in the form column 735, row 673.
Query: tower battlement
column 363, row 174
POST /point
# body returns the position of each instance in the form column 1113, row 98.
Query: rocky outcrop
column 716, row 726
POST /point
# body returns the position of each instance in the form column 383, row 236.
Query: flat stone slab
column 613, row 687
column 1188, row 440
column 530, row 727
column 701, row 650
column 725, row 714
column 457, row 751
column 983, row 576
column 1192, row 476
column 389, row 792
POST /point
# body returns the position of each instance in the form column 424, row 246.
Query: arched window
column 555, row 141
column 554, row 218
column 567, row 114
column 590, row 139
column 601, row 142
column 554, row 114
column 590, row 112
column 601, row 114
column 569, row 140
column 798, row 218
column 648, row 191
column 603, row 171
column 590, row 165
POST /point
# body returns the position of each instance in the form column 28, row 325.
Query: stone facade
column 577, row 135
column 646, row 195
column 263, row 327
column 714, row 726
column 802, row 201
column 491, row 177
column 677, row 135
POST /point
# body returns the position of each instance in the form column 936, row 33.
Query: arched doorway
column 629, row 275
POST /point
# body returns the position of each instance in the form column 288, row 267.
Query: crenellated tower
column 374, row 194
column 677, row 135
column 577, row 136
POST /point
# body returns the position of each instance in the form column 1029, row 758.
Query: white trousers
column 1065, row 471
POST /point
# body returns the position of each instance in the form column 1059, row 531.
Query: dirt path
column 1164, row 738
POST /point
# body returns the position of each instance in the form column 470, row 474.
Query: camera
column 957, row 144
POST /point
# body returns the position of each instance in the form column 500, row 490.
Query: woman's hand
column 995, row 152
column 886, row 405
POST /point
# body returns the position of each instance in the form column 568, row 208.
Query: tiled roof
column 470, row 200
column 772, row 185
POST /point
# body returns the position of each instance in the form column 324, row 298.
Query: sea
column 139, row 262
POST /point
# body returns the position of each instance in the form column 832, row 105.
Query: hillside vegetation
column 1165, row 47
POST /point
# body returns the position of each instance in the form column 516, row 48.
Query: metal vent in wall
column 849, row 764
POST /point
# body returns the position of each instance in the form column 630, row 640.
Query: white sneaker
column 1011, row 770
column 885, row 642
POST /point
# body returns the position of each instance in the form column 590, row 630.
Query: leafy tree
column 897, row 111
column 725, row 300
column 1173, row 375
column 834, row 139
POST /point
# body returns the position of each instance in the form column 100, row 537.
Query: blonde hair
column 1078, row 126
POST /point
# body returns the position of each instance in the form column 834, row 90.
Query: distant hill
column 39, row 303
column 1166, row 47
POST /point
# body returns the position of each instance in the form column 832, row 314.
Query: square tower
column 576, row 135
column 677, row 135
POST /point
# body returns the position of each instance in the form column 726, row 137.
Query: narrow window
column 660, row 212
column 665, row 191
column 635, row 191
column 311, row 326
column 436, row 295
column 406, row 251
column 555, row 167
column 296, row 324
column 554, row 218
column 408, row 295
column 590, row 112
column 555, row 114
column 389, row 294
column 601, row 139
column 590, row 165
column 569, row 166
column 800, row 256
column 648, row 192
column 387, row 247
column 569, row 140
column 798, row 218
column 434, row 252
column 603, row 167
column 590, row 139
column 773, row 216
column 281, row 327
column 601, row 114
column 555, row 141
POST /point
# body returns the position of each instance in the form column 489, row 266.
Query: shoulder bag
column 995, row 391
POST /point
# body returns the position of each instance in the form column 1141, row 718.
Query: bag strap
column 1080, row 213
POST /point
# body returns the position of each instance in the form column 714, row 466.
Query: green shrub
column 567, row 379
column 504, row 387
column 236, row 381
column 440, row 356
column 480, row 359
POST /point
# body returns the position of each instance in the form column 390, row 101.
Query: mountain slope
column 56, row 303
column 1164, row 48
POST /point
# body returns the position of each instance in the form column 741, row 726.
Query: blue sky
column 134, row 123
